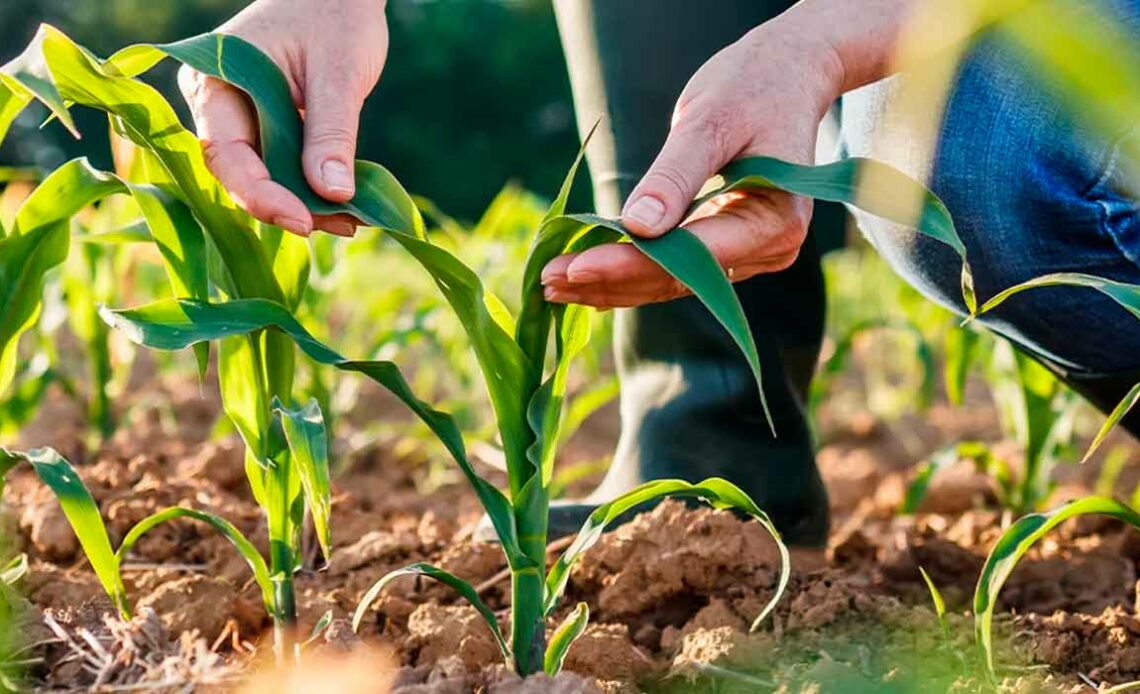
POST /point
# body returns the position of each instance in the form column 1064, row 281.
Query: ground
column 671, row 594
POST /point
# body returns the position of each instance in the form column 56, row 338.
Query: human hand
column 763, row 95
column 331, row 53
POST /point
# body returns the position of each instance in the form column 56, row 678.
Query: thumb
column 691, row 155
column 332, row 120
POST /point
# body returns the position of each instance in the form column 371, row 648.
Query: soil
column 671, row 594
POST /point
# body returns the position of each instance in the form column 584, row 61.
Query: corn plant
column 256, row 280
column 1035, row 409
column 209, row 248
column 1012, row 546
column 1016, row 541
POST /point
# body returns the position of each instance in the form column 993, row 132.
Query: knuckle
column 332, row 135
column 211, row 152
column 670, row 179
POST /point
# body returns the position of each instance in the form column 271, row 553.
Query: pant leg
column 1032, row 191
column 689, row 404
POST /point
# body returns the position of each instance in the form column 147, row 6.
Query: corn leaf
column 961, row 350
column 939, row 603
column 308, row 445
column 1123, row 408
column 22, row 80
column 174, row 324
column 82, row 514
column 871, row 186
column 1012, row 546
column 14, row 570
column 24, row 260
column 717, row 492
column 841, row 355
column 462, row 587
column 227, row 530
column 564, row 637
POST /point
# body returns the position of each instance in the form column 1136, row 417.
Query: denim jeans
column 1031, row 192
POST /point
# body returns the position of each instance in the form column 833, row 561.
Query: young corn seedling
column 1016, row 541
column 252, row 315
column 1035, row 409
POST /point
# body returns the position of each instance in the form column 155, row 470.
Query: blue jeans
column 1032, row 191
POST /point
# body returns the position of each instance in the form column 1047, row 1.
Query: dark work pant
column 689, row 405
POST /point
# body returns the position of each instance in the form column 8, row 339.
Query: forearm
column 856, row 40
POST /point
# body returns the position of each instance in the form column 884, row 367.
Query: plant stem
column 284, row 600
column 528, row 588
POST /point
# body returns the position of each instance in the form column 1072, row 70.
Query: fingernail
column 647, row 211
column 582, row 276
column 552, row 276
column 293, row 224
column 337, row 177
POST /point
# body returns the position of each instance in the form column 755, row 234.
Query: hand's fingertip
column 293, row 224
column 645, row 216
column 584, row 269
column 554, row 295
column 336, row 180
column 553, row 274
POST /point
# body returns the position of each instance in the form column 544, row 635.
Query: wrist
column 851, row 44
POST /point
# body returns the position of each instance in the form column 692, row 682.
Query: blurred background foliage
column 494, row 103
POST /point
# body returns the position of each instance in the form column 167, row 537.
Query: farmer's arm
column 332, row 52
column 763, row 95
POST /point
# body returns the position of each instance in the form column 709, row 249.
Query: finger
column 555, row 271
column 333, row 99
column 693, row 152
column 746, row 235
column 227, row 131
column 336, row 224
column 665, row 289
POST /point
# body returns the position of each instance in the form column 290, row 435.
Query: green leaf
column 24, row 260
column 1012, row 546
column 586, row 403
column 845, row 345
column 25, row 78
column 14, row 570
column 82, row 514
column 319, row 628
column 224, row 527
column 1113, row 419
column 1127, row 295
column 939, row 603
column 462, row 587
column 564, row 637
column 173, row 325
column 961, row 350
column 982, row 456
column 871, row 186
column 717, row 492
column 308, row 445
